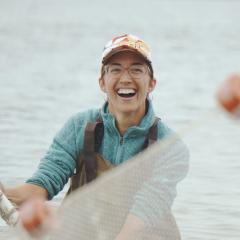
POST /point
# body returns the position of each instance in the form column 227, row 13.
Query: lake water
column 49, row 68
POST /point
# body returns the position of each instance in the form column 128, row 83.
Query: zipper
column 119, row 150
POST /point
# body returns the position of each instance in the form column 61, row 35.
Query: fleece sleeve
column 59, row 163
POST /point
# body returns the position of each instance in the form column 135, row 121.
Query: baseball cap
column 127, row 42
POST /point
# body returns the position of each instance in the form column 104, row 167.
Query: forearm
column 20, row 194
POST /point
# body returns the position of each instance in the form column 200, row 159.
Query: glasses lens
column 115, row 70
column 137, row 71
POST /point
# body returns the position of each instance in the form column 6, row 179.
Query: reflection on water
column 49, row 68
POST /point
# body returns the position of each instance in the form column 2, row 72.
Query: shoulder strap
column 92, row 141
column 152, row 134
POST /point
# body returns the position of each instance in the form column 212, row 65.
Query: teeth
column 125, row 91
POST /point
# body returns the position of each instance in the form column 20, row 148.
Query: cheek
column 109, row 84
column 108, row 89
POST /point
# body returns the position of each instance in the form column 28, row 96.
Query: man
column 127, row 79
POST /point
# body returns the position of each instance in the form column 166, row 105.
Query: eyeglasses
column 135, row 70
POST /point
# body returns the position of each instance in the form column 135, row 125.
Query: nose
column 125, row 77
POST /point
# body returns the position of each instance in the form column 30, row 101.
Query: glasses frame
column 106, row 70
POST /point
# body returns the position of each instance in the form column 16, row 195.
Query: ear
column 152, row 84
column 102, row 84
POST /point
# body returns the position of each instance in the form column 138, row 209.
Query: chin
column 128, row 109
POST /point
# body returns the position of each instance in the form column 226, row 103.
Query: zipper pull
column 121, row 140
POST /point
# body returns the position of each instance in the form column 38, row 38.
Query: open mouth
column 126, row 93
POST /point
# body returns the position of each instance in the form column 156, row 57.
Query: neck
column 125, row 120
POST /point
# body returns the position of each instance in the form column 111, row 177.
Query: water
column 49, row 68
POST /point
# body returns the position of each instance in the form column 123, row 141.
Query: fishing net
column 138, row 188
column 133, row 199
column 100, row 210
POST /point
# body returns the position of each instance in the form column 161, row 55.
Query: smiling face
column 127, row 83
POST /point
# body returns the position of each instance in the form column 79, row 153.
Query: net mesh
column 139, row 190
column 100, row 209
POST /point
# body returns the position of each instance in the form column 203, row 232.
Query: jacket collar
column 141, row 129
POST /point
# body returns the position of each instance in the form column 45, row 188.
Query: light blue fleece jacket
column 60, row 161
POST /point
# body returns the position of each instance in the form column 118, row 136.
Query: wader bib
column 90, row 163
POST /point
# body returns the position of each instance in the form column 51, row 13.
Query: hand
column 36, row 217
column 229, row 94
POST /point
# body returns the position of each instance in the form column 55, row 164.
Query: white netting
column 208, row 198
column 138, row 188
